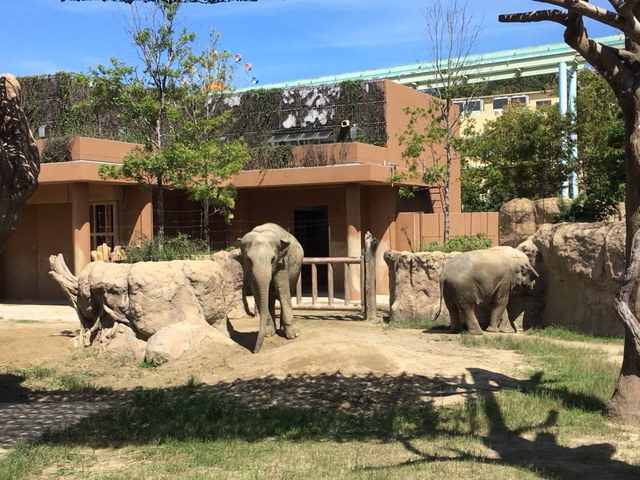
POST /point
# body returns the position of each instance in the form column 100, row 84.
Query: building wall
column 414, row 230
column 44, row 230
column 398, row 98
column 55, row 220
column 488, row 113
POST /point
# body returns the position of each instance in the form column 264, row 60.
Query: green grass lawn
column 548, row 426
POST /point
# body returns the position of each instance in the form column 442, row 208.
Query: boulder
column 172, row 341
column 122, row 305
column 414, row 285
column 584, row 264
column 520, row 218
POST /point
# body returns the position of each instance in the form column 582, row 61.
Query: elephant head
column 523, row 272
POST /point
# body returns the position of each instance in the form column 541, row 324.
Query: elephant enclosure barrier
column 366, row 273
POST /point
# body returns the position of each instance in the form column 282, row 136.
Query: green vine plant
column 57, row 149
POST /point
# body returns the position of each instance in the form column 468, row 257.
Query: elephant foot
column 492, row 329
column 291, row 332
column 455, row 330
column 507, row 330
column 476, row 331
column 271, row 331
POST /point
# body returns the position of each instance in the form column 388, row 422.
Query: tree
column 520, row 154
column 451, row 38
column 203, row 143
column 19, row 158
column 620, row 68
column 600, row 134
column 148, row 99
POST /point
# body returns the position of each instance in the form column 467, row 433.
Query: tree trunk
column 205, row 224
column 624, row 405
column 160, row 211
column 19, row 158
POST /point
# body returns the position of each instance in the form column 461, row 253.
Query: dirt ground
column 329, row 345
column 337, row 362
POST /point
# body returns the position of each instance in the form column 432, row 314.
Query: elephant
column 271, row 261
column 482, row 278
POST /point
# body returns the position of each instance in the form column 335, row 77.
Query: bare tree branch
column 583, row 7
column 625, row 8
column 575, row 36
column 556, row 16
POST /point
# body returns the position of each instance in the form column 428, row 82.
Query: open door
column 311, row 228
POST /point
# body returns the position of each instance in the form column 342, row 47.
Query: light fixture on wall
column 43, row 130
column 344, row 130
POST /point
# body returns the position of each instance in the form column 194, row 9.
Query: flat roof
column 500, row 65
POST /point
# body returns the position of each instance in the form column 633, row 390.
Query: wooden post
column 370, row 247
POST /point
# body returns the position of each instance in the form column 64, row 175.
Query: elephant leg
column 506, row 325
column 291, row 331
column 271, row 318
column 454, row 315
column 472, row 321
column 497, row 312
column 456, row 325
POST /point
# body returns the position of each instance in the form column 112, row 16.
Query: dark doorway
column 311, row 228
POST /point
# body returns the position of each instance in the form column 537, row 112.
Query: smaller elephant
column 482, row 278
column 271, row 262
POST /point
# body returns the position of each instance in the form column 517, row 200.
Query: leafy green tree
column 600, row 135
column 520, row 154
column 147, row 98
column 431, row 135
column 209, row 154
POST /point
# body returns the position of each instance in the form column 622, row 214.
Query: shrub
column 460, row 243
column 586, row 209
column 173, row 248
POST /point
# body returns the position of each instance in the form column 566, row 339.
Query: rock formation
column 581, row 266
column 584, row 264
column 153, row 310
column 520, row 218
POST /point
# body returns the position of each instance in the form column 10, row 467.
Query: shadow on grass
column 339, row 408
column 542, row 453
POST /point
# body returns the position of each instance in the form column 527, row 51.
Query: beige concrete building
column 328, row 207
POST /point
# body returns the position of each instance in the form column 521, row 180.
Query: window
column 469, row 107
column 499, row 103
column 315, row 136
column 542, row 103
column 102, row 225
column 524, row 99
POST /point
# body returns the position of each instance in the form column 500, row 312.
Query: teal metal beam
column 500, row 65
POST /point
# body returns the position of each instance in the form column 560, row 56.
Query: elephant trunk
column 261, row 289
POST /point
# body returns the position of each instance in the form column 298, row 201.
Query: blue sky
column 282, row 39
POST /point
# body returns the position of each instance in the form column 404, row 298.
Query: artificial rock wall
column 581, row 266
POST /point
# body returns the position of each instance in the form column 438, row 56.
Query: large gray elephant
column 482, row 278
column 271, row 261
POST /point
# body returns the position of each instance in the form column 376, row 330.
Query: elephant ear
column 284, row 248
